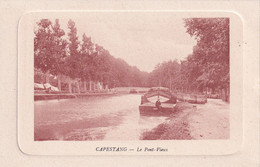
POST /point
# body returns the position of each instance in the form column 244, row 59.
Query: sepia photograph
column 129, row 83
column 131, row 76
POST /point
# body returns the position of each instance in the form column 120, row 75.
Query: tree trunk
column 70, row 88
column 223, row 94
column 59, row 82
column 227, row 94
column 228, row 90
column 98, row 86
column 78, row 85
column 90, row 85
column 95, row 86
column 170, row 83
column 47, row 77
column 85, row 86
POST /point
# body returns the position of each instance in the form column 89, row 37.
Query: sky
column 142, row 39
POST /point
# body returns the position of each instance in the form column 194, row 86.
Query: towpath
column 210, row 121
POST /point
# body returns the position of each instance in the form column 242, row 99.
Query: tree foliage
column 49, row 47
column 207, row 66
column 84, row 61
column 166, row 74
column 210, row 58
column 73, row 61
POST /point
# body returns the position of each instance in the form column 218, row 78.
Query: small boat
column 133, row 91
column 149, row 100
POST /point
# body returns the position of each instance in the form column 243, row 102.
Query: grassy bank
column 175, row 128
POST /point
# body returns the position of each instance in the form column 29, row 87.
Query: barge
column 158, row 101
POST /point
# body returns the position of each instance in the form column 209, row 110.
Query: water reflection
column 92, row 118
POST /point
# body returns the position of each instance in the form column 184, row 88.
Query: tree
column 86, row 51
column 43, row 46
column 211, row 54
column 49, row 48
column 166, row 74
column 73, row 61
column 68, row 58
column 59, row 51
column 74, row 58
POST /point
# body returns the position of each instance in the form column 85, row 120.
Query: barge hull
column 151, row 110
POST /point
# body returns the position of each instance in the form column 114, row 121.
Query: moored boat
column 158, row 101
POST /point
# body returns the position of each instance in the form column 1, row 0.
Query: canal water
column 92, row 118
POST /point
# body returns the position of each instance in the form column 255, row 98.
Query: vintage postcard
column 130, row 83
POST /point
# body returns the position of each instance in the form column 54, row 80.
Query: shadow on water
column 64, row 131
column 92, row 118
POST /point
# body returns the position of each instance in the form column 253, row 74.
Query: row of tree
column 207, row 68
column 74, row 61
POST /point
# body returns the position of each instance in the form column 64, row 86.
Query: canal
column 109, row 117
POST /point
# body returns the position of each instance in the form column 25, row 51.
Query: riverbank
column 114, row 91
column 68, row 96
column 189, row 121
column 175, row 128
